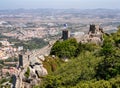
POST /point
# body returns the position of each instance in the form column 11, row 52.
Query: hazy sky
column 79, row 4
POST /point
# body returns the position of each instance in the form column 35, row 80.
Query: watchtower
column 94, row 28
column 65, row 34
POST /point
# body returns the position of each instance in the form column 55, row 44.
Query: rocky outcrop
column 95, row 35
column 40, row 71
column 30, row 72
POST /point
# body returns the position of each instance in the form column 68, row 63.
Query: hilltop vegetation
column 89, row 65
column 65, row 49
column 70, row 48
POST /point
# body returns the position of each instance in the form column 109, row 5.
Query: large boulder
column 41, row 57
column 40, row 70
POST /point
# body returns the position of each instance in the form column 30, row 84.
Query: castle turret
column 94, row 28
column 65, row 34
column 23, row 60
column 20, row 60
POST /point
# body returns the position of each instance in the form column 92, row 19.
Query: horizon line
column 63, row 8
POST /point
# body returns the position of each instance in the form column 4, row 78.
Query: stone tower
column 65, row 34
column 20, row 60
column 94, row 28
column 23, row 60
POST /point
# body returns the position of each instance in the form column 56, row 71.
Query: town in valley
column 27, row 36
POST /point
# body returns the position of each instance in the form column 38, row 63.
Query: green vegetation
column 65, row 49
column 90, row 66
column 3, row 80
column 70, row 48
column 34, row 43
column 3, row 63
column 52, row 64
column 72, row 72
column 110, row 65
column 11, row 59
column 0, row 44
column 27, row 73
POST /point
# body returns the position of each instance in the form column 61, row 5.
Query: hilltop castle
column 94, row 35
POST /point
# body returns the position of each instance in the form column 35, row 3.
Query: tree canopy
column 65, row 49
column 92, row 67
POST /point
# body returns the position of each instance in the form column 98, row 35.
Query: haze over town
column 59, row 4
column 29, row 29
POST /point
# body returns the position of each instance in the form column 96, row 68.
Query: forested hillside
column 89, row 65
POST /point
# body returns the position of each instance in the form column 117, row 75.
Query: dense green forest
column 89, row 65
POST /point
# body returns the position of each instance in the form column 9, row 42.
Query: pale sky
column 60, row 4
